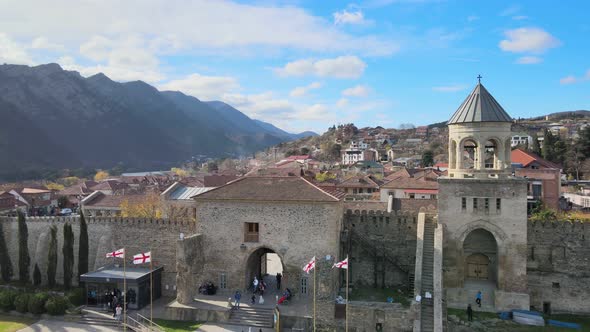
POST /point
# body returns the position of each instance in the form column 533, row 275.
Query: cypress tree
column 52, row 257
column 5, row 263
column 37, row 276
column 24, row 261
column 535, row 145
column 83, row 248
column 68, row 255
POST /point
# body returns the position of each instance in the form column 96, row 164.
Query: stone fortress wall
column 104, row 235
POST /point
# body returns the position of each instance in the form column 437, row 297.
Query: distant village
column 373, row 168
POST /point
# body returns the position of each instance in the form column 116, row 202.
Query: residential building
column 177, row 201
column 520, row 139
column 544, row 178
column 359, row 187
column 422, row 131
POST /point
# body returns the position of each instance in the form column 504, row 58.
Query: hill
column 51, row 118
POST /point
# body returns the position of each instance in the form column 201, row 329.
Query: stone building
column 482, row 209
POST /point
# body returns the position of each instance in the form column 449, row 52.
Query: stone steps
column 426, row 305
column 251, row 316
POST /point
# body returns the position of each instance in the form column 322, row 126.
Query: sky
column 307, row 65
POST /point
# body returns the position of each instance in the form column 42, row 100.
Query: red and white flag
column 341, row 265
column 309, row 266
column 142, row 258
column 117, row 254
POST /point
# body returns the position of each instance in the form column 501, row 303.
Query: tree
column 325, row 176
column 83, row 247
column 5, row 263
column 559, row 152
column 70, row 181
column 52, row 257
column 54, row 186
column 68, row 255
column 548, row 143
column 427, row 159
column 62, row 201
column 535, row 147
column 181, row 173
column 147, row 206
column 36, row 276
column 101, row 175
column 212, row 166
column 584, row 141
column 24, row 260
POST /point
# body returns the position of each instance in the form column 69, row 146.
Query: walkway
column 47, row 325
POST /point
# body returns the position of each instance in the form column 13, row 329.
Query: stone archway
column 263, row 261
column 480, row 250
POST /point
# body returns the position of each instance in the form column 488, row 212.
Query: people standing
column 478, row 298
column 118, row 312
column 255, row 284
column 469, row 313
column 279, row 277
column 237, row 297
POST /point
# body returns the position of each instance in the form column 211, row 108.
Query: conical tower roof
column 480, row 106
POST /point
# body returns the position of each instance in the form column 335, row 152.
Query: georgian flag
column 309, row 266
column 142, row 258
column 341, row 265
column 117, row 254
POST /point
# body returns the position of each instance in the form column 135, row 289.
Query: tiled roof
column 410, row 183
column 110, row 185
column 480, row 106
column 186, row 193
column 525, row 158
column 217, row 180
column 34, row 191
column 358, row 181
column 82, row 188
column 112, row 201
column 291, row 188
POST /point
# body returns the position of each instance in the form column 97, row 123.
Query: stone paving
column 46, row 325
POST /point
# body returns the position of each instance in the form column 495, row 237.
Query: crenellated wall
column 558, row 265
column 381, row 245
column 105, row 235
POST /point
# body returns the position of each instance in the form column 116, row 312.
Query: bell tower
column 482, row 209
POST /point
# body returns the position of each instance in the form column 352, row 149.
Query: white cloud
column 529, row 60
column 199, row 26
column 530, row 39
column 342, row 102
column 97, row 48
column 315, row 112
column 568, row 80
column 342, row 67
column 472, row 18
column 203, row 87
column 44, row 43
column 13, row 52
column 510, row 10
column 519, row 17
column 303, row 90
column 449, row 88
column 357, row 91
column 346, row 17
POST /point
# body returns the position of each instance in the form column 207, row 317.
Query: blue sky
column 305, row 65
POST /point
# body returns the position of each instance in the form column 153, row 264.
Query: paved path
column 233, row 328
column 46, row 325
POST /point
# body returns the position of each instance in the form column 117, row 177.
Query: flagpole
column 124, row 294
column 151, row 289
column 314, row 291
column 346, row 320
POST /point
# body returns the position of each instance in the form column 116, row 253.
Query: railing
column 150, row 323
column 143, row 324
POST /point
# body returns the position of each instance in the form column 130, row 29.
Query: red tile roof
column 526, row 158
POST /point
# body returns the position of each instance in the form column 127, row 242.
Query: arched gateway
column 263, row 262
column 481, row 256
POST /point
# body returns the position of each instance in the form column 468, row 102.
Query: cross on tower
column 479, row 78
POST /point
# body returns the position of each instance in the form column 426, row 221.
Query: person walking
column 237, row 297
column 478, row 298
column 469, row 313
column 255, row 283
column 118, row 312
column 279, row 277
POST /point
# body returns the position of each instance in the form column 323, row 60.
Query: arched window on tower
column 469, row 154
column 491, row 154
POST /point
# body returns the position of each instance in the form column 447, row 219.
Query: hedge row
column 37, row 303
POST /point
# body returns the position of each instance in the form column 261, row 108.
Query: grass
column 379, row 295
column 177, row 325
column 11, row 324
column 477, row 315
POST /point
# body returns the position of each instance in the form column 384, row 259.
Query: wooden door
column 477, row 266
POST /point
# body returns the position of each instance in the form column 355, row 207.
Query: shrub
column 56, row 305
column 7, row 299
column 37, row 276
column 21, row 302
column 37, row 303
column 77, row 296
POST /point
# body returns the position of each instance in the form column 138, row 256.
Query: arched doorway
column 263, row 263
column 481, row 256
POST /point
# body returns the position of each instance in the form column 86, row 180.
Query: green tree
column 37, row 276
column 68, row 255
column 62, row 201
column 52, row 257
column 5, row 263
column 548, row 143
column 427, row 158
column 535, row 146
column 83, row 247
column 584, row 141
column 560, row 150
column 24, row 260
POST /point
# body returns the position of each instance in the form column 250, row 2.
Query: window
column 412, row 196
column 223, row 280
column 251, row 232
column 475, row 203
column 303, row 285
column 486, row 204
column 195, row 213
column 498, row 204
column 463, row 203
column 555, row 285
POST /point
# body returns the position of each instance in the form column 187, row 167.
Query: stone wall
column 414, row 205
column 104, row 235
column 558, row 265
column 382, row 247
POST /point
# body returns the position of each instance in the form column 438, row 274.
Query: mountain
column 51, row 118
column 281, row 133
